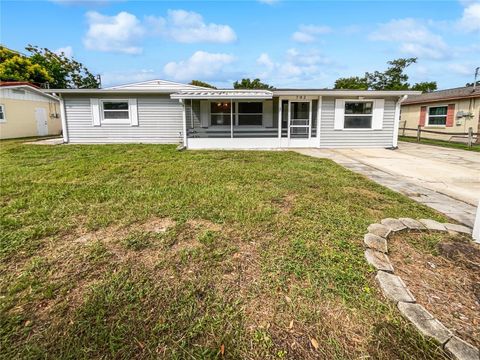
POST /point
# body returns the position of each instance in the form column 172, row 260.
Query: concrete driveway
column 443, row 178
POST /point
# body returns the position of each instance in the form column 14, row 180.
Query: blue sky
column 285, row 43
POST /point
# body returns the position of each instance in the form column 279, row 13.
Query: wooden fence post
column 419, row 130
column 470, row 137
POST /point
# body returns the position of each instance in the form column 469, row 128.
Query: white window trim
column 377, row 115
column 235, row 113
column 427, row 120
column 364, row 115
column 4, row 120
column 115, row 121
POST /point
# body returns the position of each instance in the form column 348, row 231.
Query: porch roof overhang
column 223, row 94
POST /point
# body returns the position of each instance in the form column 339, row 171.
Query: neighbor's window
column 2, row 113
column 358, row 115
column 220, row 113
column 437, row 115
column 250, row 113
column 115, row 110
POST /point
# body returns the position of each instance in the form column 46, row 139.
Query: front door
column 299, row 123
column 42, row 124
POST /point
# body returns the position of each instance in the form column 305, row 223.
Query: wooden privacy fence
column 469, row 135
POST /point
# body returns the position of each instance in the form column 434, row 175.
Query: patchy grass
column 121, row 251
column 443, row 272
column 449, row 144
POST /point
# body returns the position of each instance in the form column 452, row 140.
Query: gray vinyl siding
column 193, row 114
column 355, row 138
column 159, row 121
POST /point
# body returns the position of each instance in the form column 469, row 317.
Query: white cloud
column 305, row 65
column 414, row 36
column 190, row 27
column 470, row 20
column 268, row 2
column 67, row 51
column 126, row 77
column 462, row 69
column 118, row 33
column 201, row 65
column 309, row 33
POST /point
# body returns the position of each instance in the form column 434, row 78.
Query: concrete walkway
column 447, row 180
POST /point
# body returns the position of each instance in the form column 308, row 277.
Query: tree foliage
column 202, row 84
column 394, row 78
column 251, row 84
column 17, row 67
column 66, row 72
column 45, row 67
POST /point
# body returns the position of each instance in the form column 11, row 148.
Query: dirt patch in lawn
column 443, row 273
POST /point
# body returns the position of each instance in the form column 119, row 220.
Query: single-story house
column 25, row 110
column 448, row 111
column 160, row 111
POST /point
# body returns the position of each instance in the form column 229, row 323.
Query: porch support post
column 279, row 117
column 231, row 118
column 184, row 116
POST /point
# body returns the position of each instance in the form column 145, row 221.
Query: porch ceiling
column 223, row 94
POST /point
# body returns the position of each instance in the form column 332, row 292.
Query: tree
column 202, row 84
column 471, row 84
column 17, row 67
column 394, row 78
column 66, row 72
column 426, row 86
column 251, row 84
column 354, row 82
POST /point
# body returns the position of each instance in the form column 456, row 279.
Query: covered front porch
column 248, row 119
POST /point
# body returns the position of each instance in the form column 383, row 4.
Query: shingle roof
column 441, row 95
column 223, row 94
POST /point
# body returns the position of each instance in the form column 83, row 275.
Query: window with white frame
column 358, row 115
column 2, row 113
column 115, row 111
column 250, row 113
column 437, row 115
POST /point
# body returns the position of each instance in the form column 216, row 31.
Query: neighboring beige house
column 27, row 111
column 450, row 111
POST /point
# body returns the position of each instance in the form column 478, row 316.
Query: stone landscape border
column 395, row 289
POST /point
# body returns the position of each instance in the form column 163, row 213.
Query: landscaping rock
column 458, row 228
column 394, row 288
column 378, row 260
column 461, row 349
column 379, row 230
column 412, row 224
column 393, row 224
column 375, row 242
column 425, row 322
column 433, row 225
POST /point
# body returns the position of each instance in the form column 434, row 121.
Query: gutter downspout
column 64, row 119
column 396, row 121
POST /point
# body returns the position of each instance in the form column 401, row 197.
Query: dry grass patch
column 443, row 273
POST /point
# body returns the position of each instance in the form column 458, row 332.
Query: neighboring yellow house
column 449, row 111
column 26, row 111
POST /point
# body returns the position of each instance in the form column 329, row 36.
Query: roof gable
column 163, row 85
column 4, row 87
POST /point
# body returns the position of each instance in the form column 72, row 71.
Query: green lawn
column 453, row 145
column 261, row 253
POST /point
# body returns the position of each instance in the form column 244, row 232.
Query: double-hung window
column 115, row 111
column 358, row 115
column 437, row 115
